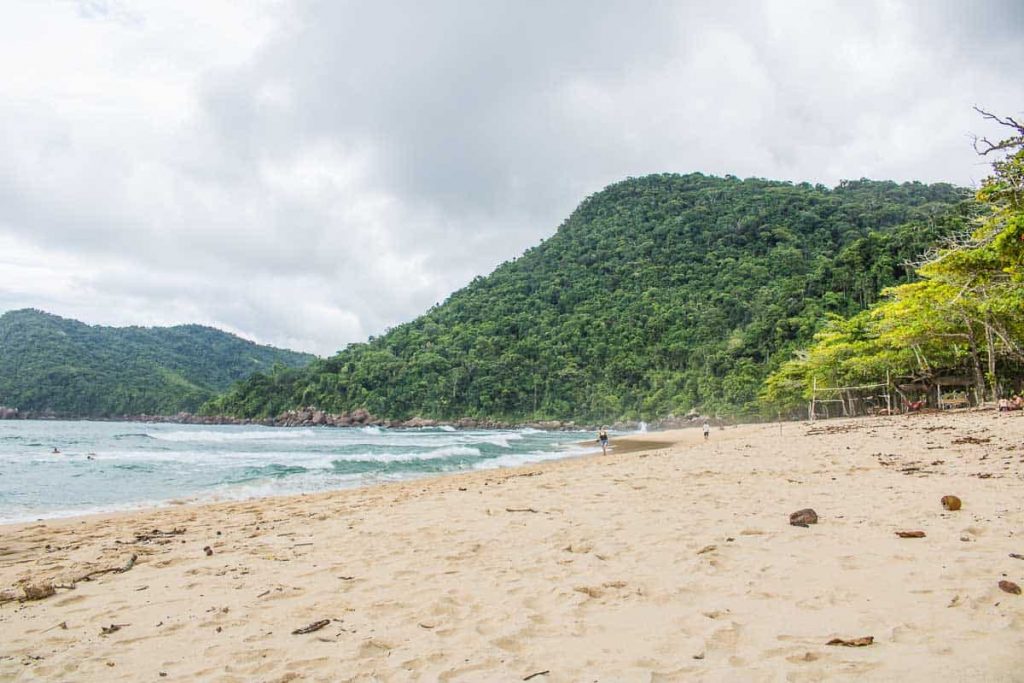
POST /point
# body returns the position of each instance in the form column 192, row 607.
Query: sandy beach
column 669, row 560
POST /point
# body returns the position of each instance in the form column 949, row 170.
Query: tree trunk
column 993, row 383
column 979, row 377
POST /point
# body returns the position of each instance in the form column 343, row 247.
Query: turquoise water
column 105, row 466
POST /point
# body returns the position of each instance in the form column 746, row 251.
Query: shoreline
column 565, row 450
column 626, row 444
column 677, row 563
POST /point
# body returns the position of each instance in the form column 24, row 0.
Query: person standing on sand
column 707, row 430
column 602, row 437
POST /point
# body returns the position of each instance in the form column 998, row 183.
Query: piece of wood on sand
column 910, row 534
column 310, row 628
column 863, row 641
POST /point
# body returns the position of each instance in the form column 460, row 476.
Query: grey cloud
column 344, row 169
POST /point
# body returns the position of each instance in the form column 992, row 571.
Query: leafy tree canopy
column 965, row 316
column 54, row 365
column 658, row 295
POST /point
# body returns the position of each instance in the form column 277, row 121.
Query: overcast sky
column 307, row 174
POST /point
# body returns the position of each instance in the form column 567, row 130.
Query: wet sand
column 673, row 564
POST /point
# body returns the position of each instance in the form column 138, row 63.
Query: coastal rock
column 803, row 517
column 951, row 503
column 418, row 422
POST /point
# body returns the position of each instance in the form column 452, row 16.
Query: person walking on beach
column 602, row 437
column 707, row 430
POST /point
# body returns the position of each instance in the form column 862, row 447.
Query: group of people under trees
column 1012, row 403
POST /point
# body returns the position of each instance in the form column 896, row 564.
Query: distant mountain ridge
column 658, row 295
column 63, row 367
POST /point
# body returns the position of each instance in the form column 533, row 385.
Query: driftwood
column 910, row 534
column 539, row 673
column 521, row 510
column 156, row 533
column 109, row 570
column 113, row 628
column 525, row 474
column 99, row 572
column 852, row 642
column 38, row 591
column 315, row 626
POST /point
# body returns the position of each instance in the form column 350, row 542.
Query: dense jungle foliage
column 58, row 366
column 658, row 295
column 963, row 317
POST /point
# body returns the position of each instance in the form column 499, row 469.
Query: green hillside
column 54, row 365
column 658, row 295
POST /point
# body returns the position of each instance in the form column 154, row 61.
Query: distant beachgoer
column 56, row 450
column 707, row 430
column 1004, row 405
column 602, row 437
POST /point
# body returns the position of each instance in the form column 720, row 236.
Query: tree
column 969, row 301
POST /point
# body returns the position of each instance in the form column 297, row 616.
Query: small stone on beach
column 803, row 517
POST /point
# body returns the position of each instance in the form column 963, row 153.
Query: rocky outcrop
column 313, row 417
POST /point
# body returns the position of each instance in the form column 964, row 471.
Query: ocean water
column 106, row 466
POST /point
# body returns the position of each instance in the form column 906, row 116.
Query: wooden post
column 814, row 391
column 888, row 399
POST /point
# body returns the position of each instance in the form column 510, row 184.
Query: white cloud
column 310, row 173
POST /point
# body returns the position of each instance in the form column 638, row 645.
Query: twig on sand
column 315, row 626
column 109, row 570
column 539, row 673
column 156, row 533
column 521, row 510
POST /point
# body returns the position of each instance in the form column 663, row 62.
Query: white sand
column 674, row 564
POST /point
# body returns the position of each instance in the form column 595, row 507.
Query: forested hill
column 658, row 295
column 54, row 365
